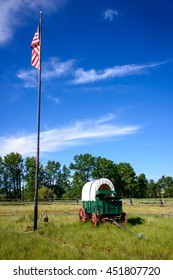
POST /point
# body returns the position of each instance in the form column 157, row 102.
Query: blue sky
column 107, row 81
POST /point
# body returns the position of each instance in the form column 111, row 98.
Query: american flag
column 35, row 46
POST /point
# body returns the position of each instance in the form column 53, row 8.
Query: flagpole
column 38, row 131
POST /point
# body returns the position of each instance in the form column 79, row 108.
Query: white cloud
column 50, row 69
column 13, row 12
column 54, row 99
column 81, row 76
column 29, row 77
column 110, row 14
column 106, row 118
column 77, row 133
column 7, row 20
column 55, row 68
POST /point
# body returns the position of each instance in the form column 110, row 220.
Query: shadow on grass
column 136, row 221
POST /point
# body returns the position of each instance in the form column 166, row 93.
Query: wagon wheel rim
column 82, row 215
column 94, row 219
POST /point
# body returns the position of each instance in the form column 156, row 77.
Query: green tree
column 30, row 167
column 66, row 179
column 165, row 186
column 13, row 175
column 141, row 187
column 45, row 193
column 102, row 168
column 105, row 168
column 57, row 179
column 2, row 190
column 126, row 179
column 152, row 189
column 82, row 168
column 51, row 172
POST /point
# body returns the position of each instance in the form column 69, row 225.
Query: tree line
column 17, row 178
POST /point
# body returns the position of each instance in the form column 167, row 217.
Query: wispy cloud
column 81, row 76
column 29, row 77
column 13, row 12
column 77, row 133
column 53, row 99
column 55, row 68
column 51, row 69
column 106, row 118
column 110, row 14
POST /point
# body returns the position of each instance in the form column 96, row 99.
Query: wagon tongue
column 113, row 221
column 139, row 235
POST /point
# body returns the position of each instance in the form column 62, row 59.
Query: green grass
column 64, row 237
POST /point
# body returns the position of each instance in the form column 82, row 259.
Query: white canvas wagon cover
column 90, row 188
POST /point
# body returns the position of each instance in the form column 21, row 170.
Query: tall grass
column 148, row 236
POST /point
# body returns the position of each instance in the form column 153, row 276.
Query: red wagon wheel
column 94, row 219
column 82, row 215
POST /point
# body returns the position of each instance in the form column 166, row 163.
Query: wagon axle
column 96, row 218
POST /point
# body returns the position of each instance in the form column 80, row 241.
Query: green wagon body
column 100, row 201
column 106, row 204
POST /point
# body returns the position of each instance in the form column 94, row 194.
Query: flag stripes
column 35, row 46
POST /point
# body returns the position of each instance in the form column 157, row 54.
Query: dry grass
column 149, row 207
column 27, row 209
column 64, row 237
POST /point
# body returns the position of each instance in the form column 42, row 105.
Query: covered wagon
column 100, row 202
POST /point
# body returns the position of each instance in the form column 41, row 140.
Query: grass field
column 64, row 237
